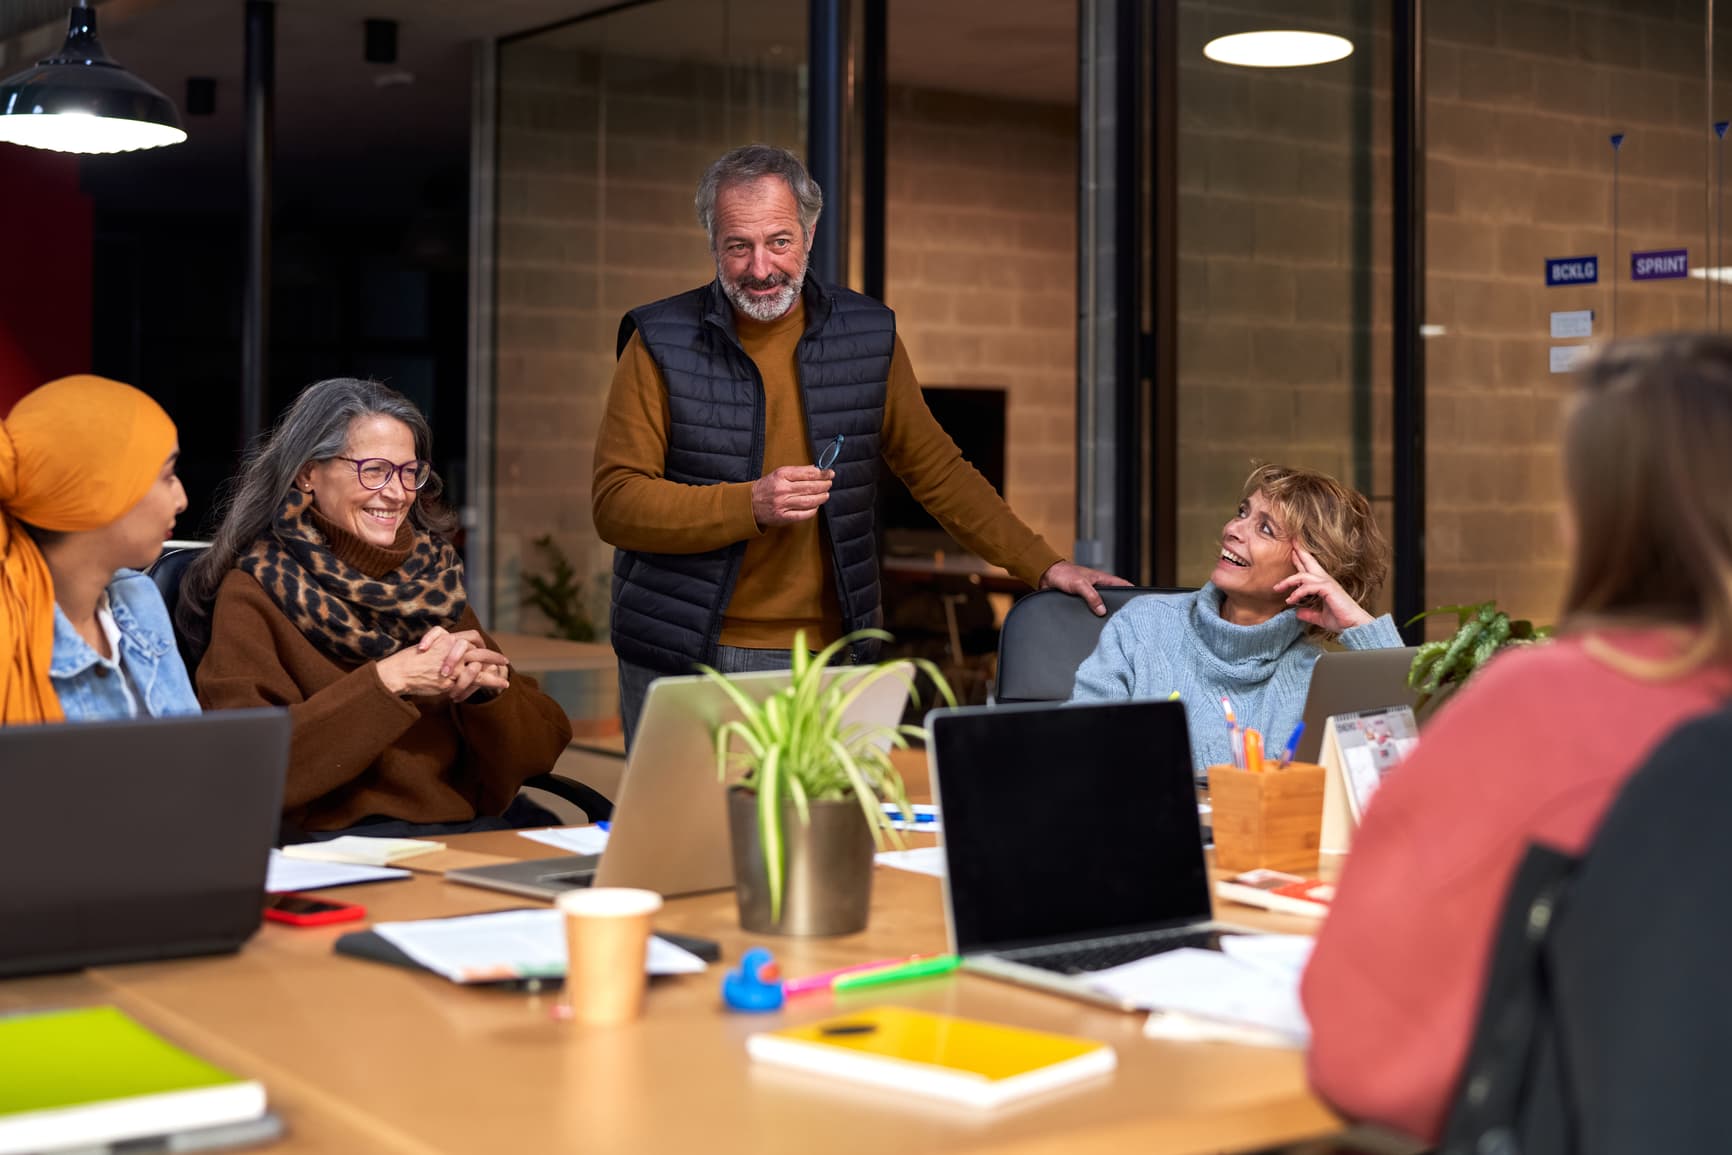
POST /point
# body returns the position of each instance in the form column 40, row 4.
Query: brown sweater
column 787, row 579
column 357, row 749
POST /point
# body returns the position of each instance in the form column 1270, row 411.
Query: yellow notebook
column 963, row 1060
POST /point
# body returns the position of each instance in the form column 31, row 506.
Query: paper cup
column 607, row 933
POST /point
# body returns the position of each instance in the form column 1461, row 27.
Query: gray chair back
column 1047, row 635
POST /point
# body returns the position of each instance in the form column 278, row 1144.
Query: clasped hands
column 444, row 665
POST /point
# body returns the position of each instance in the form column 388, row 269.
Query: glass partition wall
column 1281, row 262
column 605, row 125
column 1554, row 132
column 1283, row 265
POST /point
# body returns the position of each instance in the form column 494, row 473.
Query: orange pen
column 1254, row 751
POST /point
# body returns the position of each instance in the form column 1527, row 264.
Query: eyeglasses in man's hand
column 831, row 451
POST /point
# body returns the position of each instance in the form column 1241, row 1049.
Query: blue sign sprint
column 1572, row 270
column 1659, row 265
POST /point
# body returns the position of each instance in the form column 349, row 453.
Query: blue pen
column 1292, row 745
column 604, row 826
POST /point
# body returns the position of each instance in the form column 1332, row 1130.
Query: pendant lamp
column 80, row 100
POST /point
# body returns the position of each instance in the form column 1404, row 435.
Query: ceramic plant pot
column 829, row 868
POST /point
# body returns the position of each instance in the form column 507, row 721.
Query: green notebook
column 81, row 1077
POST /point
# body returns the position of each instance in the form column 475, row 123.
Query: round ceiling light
column 1278, row 49
column 82, row 101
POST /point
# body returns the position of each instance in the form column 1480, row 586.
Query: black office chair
column 1604, row 1023
column 1047, row 635
column 172, row 566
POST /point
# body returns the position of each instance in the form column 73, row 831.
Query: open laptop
column 1348, row 681
column 669, row 831
column 135, row 840
column 1071, row 840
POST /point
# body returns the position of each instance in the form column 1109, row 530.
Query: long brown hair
column 1648, row 478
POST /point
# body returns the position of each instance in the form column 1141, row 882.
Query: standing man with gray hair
column 737, row 464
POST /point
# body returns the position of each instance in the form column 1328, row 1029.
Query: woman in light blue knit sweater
column 1297, row 559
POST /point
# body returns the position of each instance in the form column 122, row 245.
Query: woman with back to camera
column 88, row 494
column 1297, row 560
column 1536, row 746
column 331, row 589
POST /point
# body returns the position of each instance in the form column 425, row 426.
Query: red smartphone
column 299, row 910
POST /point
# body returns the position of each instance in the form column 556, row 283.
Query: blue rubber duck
column 755, row 985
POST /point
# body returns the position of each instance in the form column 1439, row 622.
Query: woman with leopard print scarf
column 332, row 589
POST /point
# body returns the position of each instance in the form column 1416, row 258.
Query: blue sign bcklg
column 1572, row 270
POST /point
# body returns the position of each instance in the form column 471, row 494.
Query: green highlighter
column 925, row 968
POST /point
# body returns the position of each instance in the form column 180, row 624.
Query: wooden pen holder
column 1273, row 819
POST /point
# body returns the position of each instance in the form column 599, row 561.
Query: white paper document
column 571, row 839
column 926, row 820
column 512, row 944
column 362, row 850
column 1282, row 956
column 1210, row 985
column 920, row 860
column 285, row 874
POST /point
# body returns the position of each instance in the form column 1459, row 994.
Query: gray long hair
column 315, row 428
column 751, row 162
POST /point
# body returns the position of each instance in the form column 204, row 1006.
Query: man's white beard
column 770, row 308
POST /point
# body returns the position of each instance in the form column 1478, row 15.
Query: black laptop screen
column 1066, row 822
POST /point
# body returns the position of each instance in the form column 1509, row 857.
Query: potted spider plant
column 1441, row 667
column 805, row 812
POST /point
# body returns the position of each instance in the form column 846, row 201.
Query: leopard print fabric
column 349, row 616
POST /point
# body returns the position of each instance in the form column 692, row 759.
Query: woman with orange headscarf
column 88, row 494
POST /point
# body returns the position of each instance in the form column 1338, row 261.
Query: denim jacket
column 90, row 692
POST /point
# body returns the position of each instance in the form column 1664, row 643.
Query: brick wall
column 981, row 270
column 1523, row 98
column 598, row 157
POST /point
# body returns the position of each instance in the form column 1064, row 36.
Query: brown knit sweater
column 357, row 749
column 786, row 579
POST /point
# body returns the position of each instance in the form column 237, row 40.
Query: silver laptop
column 136, row 840
column 1347, row 682
column 1071, row 840
column 669, row 831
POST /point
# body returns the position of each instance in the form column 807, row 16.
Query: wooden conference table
column 363, row 1057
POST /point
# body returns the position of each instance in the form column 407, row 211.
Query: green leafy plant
column 559, row 594
column 1481, row 631
column 798, row 745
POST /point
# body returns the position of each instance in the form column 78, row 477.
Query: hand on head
column 1326, row 603
column 1080, row 581
column 789, row 494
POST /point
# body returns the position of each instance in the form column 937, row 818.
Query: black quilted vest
column 667, row 608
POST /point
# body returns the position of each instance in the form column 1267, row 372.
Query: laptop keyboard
column 1102, row 954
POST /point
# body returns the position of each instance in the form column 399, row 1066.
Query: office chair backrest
column 1045, row 638
column 170, row 567
column 1605, row 1018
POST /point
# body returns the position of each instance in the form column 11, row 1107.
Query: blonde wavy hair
column 1646, row 478
column 1331, row 521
